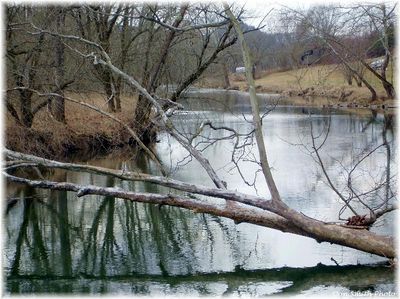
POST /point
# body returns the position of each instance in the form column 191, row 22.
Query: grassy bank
column 316, row 86
column 86, row 132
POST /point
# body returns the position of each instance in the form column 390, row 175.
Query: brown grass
column 326, row 81
column 85, row 130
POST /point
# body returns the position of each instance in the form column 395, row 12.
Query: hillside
column 315, row 85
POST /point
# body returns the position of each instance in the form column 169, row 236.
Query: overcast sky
column 259, row 8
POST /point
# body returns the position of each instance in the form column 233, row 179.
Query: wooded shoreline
column 63, row 141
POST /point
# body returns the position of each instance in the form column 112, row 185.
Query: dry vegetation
column 85, row 132
column 316, row 85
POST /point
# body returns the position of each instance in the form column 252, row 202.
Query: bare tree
column 28, row 66
column 57, row 106
column 383, row 19
column 270, row 212
column 332, row 26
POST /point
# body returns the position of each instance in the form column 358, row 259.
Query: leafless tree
column 57, row 106
column 383, row 19
column 332, row 26
column 28, row 66
column 271, row 212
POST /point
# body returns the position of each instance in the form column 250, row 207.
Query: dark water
column 58, row 243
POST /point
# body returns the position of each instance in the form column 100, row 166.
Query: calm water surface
column 58, row 243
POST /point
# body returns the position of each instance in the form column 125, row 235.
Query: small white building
column 240, row 70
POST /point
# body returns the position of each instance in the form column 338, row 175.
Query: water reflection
column 56, row 242
column 129, row 244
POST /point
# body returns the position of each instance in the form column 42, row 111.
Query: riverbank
column 86, row 132
column 317, row 86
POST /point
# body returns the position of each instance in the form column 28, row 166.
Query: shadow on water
column 280, row 281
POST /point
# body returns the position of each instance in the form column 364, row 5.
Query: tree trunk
column 374, row 96
column 117, row 87
column 225, row 70
column 165, row 48
column 355, row 72
column 13, row 112
column 389, row 90
column 358, row 81
column 106, row 80
column 144, row 128
column 110, row 91
column 193, row 77
column 104, row 27
column 386, row 85
column 299, row 224
column 123, row 57
column 143, row 107
column 25, row 98
column 385, row 40
column 57, row 104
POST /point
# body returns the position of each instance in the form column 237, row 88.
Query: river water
column 57, row 243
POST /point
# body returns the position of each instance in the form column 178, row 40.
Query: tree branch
column 358, row 239
column 255, row 108
column 136, row 176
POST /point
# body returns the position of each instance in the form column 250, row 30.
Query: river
column 57, row 243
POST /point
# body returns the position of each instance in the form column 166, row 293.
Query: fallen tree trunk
column 253, row 209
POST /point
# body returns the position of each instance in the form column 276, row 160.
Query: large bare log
column 299, row 224
column 254, row 201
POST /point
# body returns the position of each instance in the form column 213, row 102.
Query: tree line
column 176, row 45
column 161, row 45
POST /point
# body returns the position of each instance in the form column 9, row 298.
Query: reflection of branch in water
column 141, row 239
column 107, row 250
column 209, row 235
column 153, row 221
column 371, row 120
column 39, row 251
column 172, row 233
column 128, row 227
column 21, row 236
column 388, row 124
column 229, row 231
column 64, row 231
column 246, row 259
column 92, row 239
